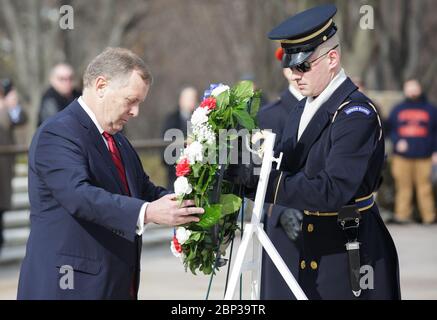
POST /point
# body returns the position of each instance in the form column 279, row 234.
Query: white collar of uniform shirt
column 91, row 114
column 312, row 105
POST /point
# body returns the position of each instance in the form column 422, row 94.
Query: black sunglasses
column 306, row 65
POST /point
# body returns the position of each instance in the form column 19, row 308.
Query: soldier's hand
column 291, row 221
column 168, row 211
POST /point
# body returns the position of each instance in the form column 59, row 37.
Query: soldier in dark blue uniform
column 282, row 224
column 333, row 149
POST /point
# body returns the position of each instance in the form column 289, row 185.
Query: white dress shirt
column 140, row 223
column 312, row 105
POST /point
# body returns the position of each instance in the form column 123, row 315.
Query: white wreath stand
column 255, row 235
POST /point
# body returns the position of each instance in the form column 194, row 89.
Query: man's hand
column 291, row 220
column 402, row 146
column 167, row 210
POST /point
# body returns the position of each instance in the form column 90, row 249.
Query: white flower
column 200, row 115
column 194, row 152
column 220, row 89
column 182, row 235
column 181, row 186
column 204, row 134
column 173, row 250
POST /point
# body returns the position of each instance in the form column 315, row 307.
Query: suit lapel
column 96, row 139
column 106, row 156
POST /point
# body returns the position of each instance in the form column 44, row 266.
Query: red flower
column 279, row 53
column 177, row 245
column 209, row 103
column 183, row 168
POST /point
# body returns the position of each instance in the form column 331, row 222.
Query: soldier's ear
column 334, row 59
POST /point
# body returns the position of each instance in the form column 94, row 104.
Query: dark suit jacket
column 79, row 215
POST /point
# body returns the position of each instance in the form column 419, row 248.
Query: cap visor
column 292, row 60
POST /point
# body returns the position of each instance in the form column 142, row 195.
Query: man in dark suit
column 90, row 198
column 282, row 224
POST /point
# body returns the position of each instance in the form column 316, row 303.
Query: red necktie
column 115, row 154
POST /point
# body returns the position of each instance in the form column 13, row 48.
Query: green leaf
column 243, row 90
column 191, row 255
column 193, row 268
column 207, row 269
column 199, row 186
column 211, row 216
column 255, row 104
column 244, row 119
column 196, row 168
column 222, row 99
column 230, row 203
column 194, row 237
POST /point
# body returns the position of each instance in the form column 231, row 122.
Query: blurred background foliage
column 196, row 42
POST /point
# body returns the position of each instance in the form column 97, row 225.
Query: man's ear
column 100, row 85
column 334, row 59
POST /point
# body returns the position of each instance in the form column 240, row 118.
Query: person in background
column 282, row 225
column 11, row 115
column 413, row 131
column 60, row 93
column 188, row 100
column 274, row 115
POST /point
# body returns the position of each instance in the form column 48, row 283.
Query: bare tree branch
column 414, row 38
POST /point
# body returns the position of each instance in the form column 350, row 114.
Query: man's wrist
column 142, row 219
column 146, row 213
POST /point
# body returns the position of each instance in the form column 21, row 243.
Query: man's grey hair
column 116, row 64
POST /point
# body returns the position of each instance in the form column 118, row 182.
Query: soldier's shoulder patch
column 357, row 108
